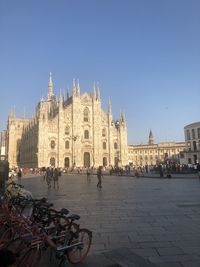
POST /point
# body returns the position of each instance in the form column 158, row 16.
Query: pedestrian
column 146, row 168
column 198, row 169
column 19, row 174
column 160, row 167
column 48, row 177
column 88, row 174
column 55, row 178
column 99, row 177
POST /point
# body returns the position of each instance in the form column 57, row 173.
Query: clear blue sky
column 144, row 53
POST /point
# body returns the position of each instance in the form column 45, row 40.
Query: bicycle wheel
column 17, row 246
column 3, row 228
column 31, row 258
column 78, row 253
column 5, row 238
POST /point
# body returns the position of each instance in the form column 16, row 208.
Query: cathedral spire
column 98, row 92
column 74, row 88
column 123, row 118
column 94, row 91
column 151, row 139
column 61, row 98
column 109, row 106
column 50, row 87
column 78, row 88
column 67, row 93
column 61, row 95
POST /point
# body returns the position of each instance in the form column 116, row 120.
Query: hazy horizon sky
column 145, row 54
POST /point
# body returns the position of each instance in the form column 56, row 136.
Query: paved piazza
column 158, row 219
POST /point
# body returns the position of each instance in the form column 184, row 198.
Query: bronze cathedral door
column 86, row 159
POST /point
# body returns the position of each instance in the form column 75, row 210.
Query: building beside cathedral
column 152, row 154
column 67, row 132
column 3, row 138
column 192, row 139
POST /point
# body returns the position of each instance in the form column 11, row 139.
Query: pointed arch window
column 104, row 132
column 115, row 145
column 104, row 145
column 67, row 130
column 86, row 115
column 86, row 134
column 66, row 144
column 52, row 144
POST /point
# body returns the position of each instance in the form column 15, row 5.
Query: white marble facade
column 67, row 132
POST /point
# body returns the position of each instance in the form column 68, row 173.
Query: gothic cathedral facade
column 68, row 132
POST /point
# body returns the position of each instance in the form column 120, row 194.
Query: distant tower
column 151, row 139
column 50, row 87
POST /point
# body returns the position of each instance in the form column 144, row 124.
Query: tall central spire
column 50, row 86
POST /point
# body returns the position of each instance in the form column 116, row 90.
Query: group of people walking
column 52, row 174
column 99, row 176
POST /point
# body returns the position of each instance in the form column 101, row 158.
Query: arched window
column 104, row 132
column 188, row 135
column 67, row 130
column 104, row 145
column 194, row 145
column 86, row 134
column 198, row 132
column 66, row 144
column 53, row 144
column 86, row 115
column 115, row 145
column 193, row 134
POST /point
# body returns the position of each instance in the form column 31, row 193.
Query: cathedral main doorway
column 86, row 159
column 52, row 162
column 116, row 161
column 67, row 162
column 104, row 161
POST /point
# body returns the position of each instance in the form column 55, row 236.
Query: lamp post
column 117, row 126
column 74, row 138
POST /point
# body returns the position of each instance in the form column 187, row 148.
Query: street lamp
column 117, row 126
column 74, row 138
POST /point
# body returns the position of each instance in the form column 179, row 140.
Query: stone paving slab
column 147, row 216
column 122, row 257
column 126, row 258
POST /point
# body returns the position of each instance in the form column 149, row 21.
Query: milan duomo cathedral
column 68, row 132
